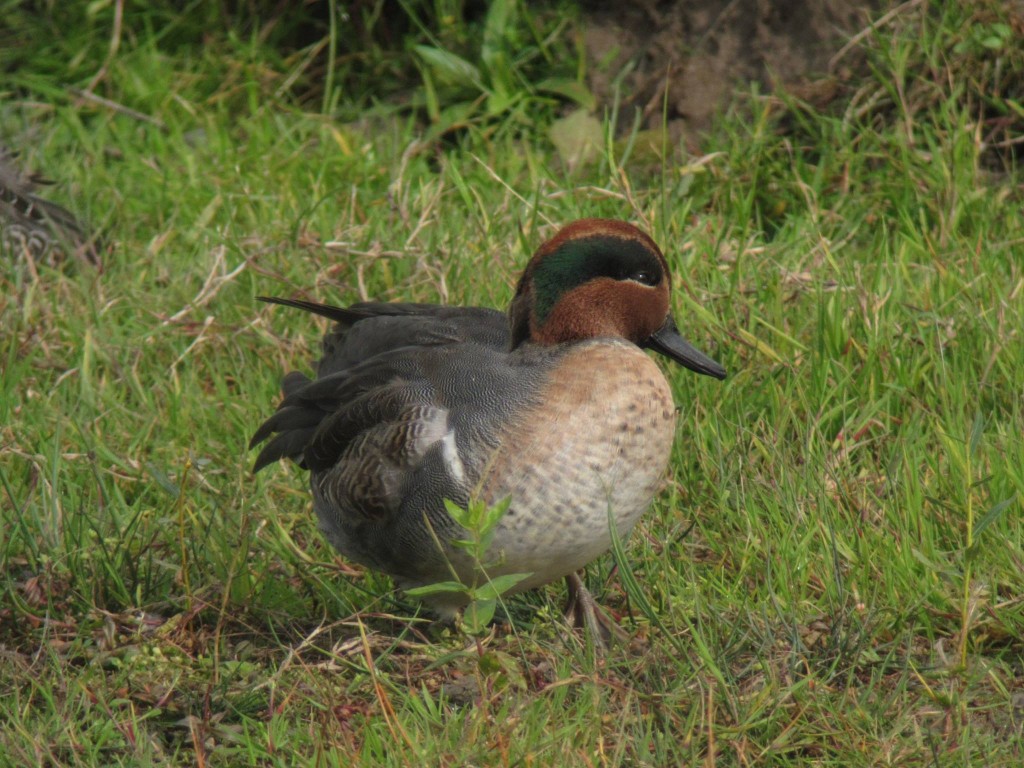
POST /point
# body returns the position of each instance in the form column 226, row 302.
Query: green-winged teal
column 555, row 406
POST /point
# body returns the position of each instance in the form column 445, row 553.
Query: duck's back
column 377, row 338
column 371, row 328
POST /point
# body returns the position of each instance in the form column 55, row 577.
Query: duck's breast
column 596, row 441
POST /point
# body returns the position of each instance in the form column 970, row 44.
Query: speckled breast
column 598, row 441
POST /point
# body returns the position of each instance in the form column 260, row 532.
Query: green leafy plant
column 497, row 80
column 480, row 522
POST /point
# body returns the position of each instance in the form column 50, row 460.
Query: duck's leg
column 582, row 610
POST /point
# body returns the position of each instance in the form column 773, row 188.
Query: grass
column 834, row 574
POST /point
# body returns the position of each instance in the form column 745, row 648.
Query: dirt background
column 701, row 50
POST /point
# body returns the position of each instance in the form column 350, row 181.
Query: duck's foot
column 583, row 611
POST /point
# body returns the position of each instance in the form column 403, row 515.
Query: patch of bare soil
column 700, row 51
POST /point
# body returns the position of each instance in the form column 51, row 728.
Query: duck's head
column 601, row 278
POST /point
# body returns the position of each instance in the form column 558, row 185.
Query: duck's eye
column 644, row 277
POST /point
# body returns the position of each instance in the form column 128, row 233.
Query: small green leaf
column 430, row 94
column 96, row 7
column 500, row 19
column 992, row 515
column 977, row 431
column 1017, row 107
column 478, row 615
column 460, row 515
column 499, row 102
column 441, row 587
column 449, row 68
column 492, row 515
column 499, row 585
column 569, row 89
column 500, row 74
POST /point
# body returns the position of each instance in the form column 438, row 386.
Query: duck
column 554, row 408
column 36, row 228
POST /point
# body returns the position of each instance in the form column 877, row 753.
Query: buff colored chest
column 598, row 441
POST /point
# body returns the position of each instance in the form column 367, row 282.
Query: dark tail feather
column 337, row 314
column 289, row 444
column 288, row 419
